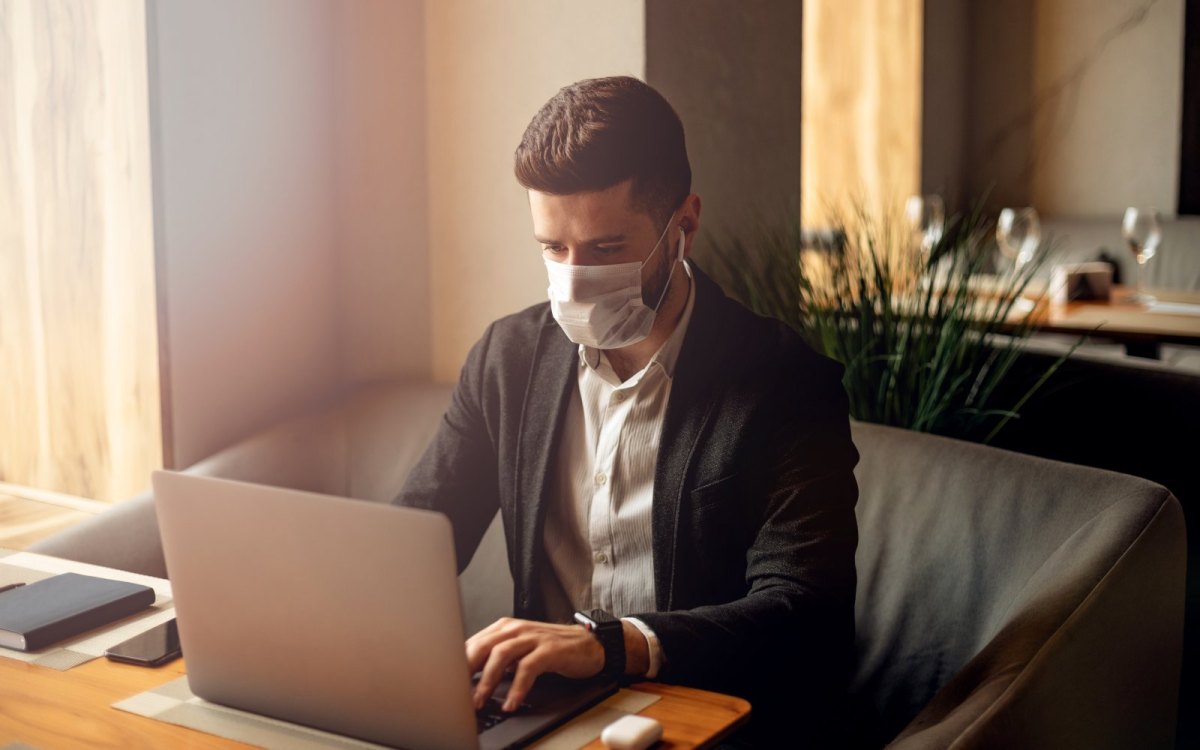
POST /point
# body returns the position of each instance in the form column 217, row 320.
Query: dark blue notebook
column 53, row 609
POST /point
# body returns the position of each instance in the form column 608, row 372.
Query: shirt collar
column 667, row 355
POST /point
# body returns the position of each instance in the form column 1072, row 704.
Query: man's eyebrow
column 604, row 240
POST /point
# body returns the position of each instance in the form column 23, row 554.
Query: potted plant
column 925, row 336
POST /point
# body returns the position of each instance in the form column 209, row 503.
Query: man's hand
column 531, row 648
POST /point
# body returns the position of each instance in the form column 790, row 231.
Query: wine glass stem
column 1137, row 289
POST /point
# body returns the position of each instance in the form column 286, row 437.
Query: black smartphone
column 153, row 648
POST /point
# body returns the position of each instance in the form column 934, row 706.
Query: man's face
column 603, row 228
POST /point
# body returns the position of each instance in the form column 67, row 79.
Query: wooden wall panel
column 860, row 105
column 79, row 407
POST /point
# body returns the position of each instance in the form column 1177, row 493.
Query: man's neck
column 628, row 360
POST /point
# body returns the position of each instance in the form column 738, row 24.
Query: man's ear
column 689, row 222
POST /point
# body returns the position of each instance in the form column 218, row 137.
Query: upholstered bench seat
column 1003, row 600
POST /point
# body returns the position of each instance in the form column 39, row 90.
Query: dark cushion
column 966, row 549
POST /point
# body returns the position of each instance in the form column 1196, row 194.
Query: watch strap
column 609, row 631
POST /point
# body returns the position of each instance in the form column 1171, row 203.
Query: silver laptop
column 339, row 614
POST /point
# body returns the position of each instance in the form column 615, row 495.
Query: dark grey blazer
column 753, row 511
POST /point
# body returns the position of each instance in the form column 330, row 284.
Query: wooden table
column 1128, row 322
column 1140, row 329
column 48, row 709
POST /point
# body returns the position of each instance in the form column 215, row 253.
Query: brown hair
column 596, row 133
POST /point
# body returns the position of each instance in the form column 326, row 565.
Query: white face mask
column 601, row 306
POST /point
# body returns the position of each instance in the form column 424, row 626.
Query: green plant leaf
column 921, row 348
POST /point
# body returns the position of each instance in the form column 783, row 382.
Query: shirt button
column 601, row 558
column 601, row 479
column 618, row 397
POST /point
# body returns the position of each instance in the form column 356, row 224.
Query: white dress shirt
column 597, row 534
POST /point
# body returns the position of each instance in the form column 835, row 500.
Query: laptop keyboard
column 492, row 714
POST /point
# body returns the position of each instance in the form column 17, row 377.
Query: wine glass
column 926, row 215
column 1143, row 234
column 1018, row 235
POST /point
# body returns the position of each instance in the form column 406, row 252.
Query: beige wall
column 1075, row 104
column 382, row 205
column 79, row 407
column 242, row 119
column 1110, row 136
column 490, row 66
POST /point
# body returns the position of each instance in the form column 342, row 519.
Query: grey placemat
column 587, row 726
column 17, row 574
column 174, row 703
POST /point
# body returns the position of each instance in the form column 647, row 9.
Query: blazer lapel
column 690, row 407
column 708, row 343
column 551, row 379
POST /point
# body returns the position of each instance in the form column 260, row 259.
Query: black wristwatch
column 611, row 634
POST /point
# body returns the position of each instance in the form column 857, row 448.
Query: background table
column 1125, row 322
column 1140, row 329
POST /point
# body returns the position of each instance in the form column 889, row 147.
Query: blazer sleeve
column 457, row 474
column 793, row 630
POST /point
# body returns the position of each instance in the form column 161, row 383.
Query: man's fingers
column 480, row 645
column 502, row 655
column 528, row 670
column 529, row 648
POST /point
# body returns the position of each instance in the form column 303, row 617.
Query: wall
column 79, row 410
column 1075, row 104
column 490, row 67
column 1114, row 74
column 382, row 206
column 1189, row 165
column 241, row 108
column 734, row 79
column 943, row 97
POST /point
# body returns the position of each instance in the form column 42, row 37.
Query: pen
column 10, row 587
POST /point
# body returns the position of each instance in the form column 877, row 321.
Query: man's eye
column 552, row 249
column 609, row 249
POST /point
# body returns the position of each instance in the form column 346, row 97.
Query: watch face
column 595, row 619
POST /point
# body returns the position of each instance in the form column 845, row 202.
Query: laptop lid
column 339, row 614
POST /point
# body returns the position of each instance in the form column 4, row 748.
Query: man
column 655, row 450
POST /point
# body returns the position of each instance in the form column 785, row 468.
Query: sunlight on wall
column 79, row 410
column 861, row 105
column 490, row 67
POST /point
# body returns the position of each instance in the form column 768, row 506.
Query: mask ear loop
column 678, row 260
